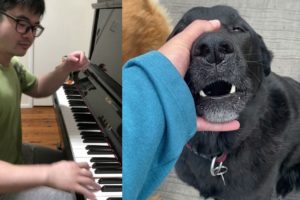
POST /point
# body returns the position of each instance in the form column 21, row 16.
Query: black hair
column 35, row 6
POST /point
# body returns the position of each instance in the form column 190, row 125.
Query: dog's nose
column 213, row 48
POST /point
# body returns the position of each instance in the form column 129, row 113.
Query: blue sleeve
column 159, row 117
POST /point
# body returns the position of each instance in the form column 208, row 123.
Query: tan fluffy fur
column 145, row 27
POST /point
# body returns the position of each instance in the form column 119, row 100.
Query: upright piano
column 89, row 106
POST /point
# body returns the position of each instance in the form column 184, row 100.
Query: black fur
column 264, row 154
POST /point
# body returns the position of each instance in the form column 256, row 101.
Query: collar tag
column 219, row 170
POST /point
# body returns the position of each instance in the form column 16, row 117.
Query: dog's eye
column 238, row 29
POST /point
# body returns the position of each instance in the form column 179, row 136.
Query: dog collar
column 222, row 158
column 218, row 170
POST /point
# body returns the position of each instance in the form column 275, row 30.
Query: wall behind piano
column 68, row 27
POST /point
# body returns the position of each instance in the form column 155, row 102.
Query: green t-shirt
column 14, row 80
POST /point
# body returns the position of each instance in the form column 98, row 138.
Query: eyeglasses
column 23, row 26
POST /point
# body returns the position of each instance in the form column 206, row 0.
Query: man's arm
column 64, row 175
column 15, row 178
column 49, row 83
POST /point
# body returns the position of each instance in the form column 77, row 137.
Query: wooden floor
column 39, row 126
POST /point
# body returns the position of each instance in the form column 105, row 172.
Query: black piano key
column 79, row 120
column 80, row 117
column 66, row 89
column 112, row 163
column 110, row 181
column 104, row 150
column 111, row 188
column 91, row 133
column 108, row 170
column 103, row 160
column 107, row 165
column 74, row 97
column 93, row 136
column 87, row 126
column 98, row 135
column 76, row 103
column 69, row 92
column 100, row 151
column 94, row 140
column 97, row 147
column 83, row 115
column 83, row 120
column 69, row 87
column 114, row 198
column 80, row 110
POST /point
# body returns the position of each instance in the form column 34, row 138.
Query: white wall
column 68, row 26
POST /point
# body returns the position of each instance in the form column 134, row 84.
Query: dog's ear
column 178, row 28
column 266, row 55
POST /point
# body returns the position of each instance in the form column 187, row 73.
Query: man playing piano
column 19, row 26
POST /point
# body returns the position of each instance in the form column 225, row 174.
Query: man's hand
column 71, row 176
column 75, row 61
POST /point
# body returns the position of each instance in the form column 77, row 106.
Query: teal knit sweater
column 159, row 117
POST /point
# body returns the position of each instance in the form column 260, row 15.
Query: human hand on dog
column 177, row 50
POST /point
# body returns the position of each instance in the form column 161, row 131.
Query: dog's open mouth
column 220, row 101
column 218, row 89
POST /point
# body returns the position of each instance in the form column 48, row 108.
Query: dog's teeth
column 202, row 94
column 233, row 89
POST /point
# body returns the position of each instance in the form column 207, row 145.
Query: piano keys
column 88, row 143
column 89, row 109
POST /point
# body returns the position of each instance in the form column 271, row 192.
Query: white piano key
column 104, row 197
column 100, row 194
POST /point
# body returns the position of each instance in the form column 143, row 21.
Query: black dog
column 230, row 78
